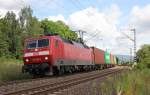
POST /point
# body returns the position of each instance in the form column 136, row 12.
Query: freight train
column 54, row 55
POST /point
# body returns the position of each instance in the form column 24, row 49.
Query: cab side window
column 56, row 44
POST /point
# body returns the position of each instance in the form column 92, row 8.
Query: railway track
column 7, row 83
column 59, row 84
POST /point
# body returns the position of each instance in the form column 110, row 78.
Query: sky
column 105, row 21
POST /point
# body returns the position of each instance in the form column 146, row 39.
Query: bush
column 10, row 69
column 141, row 66
column 132, row 82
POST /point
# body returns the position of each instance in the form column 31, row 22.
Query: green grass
column 135, row 82
column 10, row 69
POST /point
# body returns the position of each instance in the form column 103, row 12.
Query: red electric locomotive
column 53, row 55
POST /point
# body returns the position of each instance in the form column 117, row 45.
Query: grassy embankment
column 10, row 69
column 134, row 82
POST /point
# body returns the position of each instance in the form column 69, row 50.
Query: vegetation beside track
column 133, row 82
column 10, row 69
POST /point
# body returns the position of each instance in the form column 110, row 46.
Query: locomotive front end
column 37, row 56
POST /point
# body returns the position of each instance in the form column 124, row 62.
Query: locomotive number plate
column 36, row 59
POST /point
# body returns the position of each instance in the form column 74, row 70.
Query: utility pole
column 81, row 33
column 130, row 55
column 134, row 40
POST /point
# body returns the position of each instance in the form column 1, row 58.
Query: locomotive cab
column 36, row 55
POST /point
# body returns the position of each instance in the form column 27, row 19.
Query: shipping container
column 107, row 57
column 111, row 59
column 118, row 61
column 115, row 60
column 98, row 56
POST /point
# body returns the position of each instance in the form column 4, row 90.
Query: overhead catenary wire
column 77, row 6
column 92, row 36
column 132, row 39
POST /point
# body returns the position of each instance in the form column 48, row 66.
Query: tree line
column 143, row 55
column 14, row 30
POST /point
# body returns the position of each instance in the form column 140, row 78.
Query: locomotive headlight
column 46, row 58
column 27, row 60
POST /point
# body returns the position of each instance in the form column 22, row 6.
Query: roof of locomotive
column 41, row 37
column 75, row 43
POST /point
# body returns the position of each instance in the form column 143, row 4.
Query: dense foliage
column 14, row 30
column 58, row 27
column 143, row 55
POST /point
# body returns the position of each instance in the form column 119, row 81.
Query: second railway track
column 61, row 84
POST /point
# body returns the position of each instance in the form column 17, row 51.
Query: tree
column 9, row 31
column 12, row 31
column 25, row 18
column 30, row 25
column 3, row 43
column 143, row 55
column 36, row 27
column 59, row 28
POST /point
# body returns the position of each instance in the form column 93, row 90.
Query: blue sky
column 66, row 7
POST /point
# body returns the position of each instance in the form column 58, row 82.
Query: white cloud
column 11, row 5
column 140, row 19
column 101, row 24
column 101, row 27
column 114, row 13
column 56, row 18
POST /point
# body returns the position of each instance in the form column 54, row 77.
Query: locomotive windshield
column 37, row 43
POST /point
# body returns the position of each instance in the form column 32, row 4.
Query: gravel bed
column 94, row 87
